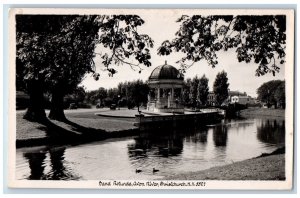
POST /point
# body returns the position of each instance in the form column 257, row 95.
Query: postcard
column 151, row 98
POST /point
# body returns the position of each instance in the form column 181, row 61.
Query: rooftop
column 165, row 72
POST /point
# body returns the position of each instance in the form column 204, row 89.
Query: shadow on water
column 37, row 164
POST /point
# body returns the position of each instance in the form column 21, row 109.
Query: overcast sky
column 161, row 26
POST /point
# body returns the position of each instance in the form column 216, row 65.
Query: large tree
column 260, row 38
column 221, row 87
column 203, row 90
column 279, row 95
column 272, row 92
column 55, row 52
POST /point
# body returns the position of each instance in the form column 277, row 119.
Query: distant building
column 233, row 97
column 245, row 100
column 211, row 98
column 236, row 93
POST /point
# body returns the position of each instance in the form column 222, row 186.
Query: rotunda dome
column 165, row 72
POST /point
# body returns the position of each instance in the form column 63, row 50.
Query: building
column 245, row 100
column 211, row 98
column 233, row 96
column 240, row 99
column 166, row 84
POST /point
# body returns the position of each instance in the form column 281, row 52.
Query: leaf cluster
column 258, row 38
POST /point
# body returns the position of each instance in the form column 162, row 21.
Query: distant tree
column 76, row 96
column 101, row 93
column 186, row 91
column 203, row 90
column 221, row 87
column 279, row 95
column 54, row 52
column 261, row 38
column 122, row 87
column 138, row 92
column 113, row 94
column 266, row 92
column 79, row 93
column 194, row 90
column 90, row 97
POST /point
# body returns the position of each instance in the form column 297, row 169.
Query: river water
column 170, row 152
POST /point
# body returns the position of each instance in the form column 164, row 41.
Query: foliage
column 279, row 94
column 272, row 92
column 203, row 90
column 260, row 38
column 134, row 91
column 221, row 87
column 194, row 90
column 119, row 34
column 57, row 51
column 61, row 48
column 186, row 91
column 94, row 96
column 113, row 94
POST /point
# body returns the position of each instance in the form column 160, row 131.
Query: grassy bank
column 81, row 126
column 265, row 167
column 250, row 112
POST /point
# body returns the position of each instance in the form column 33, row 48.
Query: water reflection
column 38, row 161
column 271, row 131
column 36, row 165
column 198, row 137
column 159, row 143
column 165, row 143
column 170, row 152
column 220, row 135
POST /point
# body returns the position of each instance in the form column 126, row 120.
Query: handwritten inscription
column 152, row 184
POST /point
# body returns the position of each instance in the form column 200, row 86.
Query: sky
column 161, row 26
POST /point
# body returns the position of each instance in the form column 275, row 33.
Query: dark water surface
column 170, row 152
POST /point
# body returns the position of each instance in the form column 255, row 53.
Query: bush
column 84, row 105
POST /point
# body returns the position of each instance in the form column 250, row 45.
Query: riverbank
column 86, row 125
column 262, row 112
column 265, row 167
column 82, row 125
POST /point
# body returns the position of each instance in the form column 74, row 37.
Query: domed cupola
column 165, row 72
column 166, row 84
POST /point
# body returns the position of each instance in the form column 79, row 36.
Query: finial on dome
column 165, row 62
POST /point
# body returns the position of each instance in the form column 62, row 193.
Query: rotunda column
column 172, row 94
column 158, row 94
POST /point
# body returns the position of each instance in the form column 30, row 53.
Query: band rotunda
column 166, row 84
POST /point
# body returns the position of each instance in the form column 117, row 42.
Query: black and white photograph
column 151, row 98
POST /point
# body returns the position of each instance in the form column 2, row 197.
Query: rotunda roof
column 165, row 72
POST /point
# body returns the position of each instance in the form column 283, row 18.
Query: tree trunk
column 57, row 106
column 35, row 112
